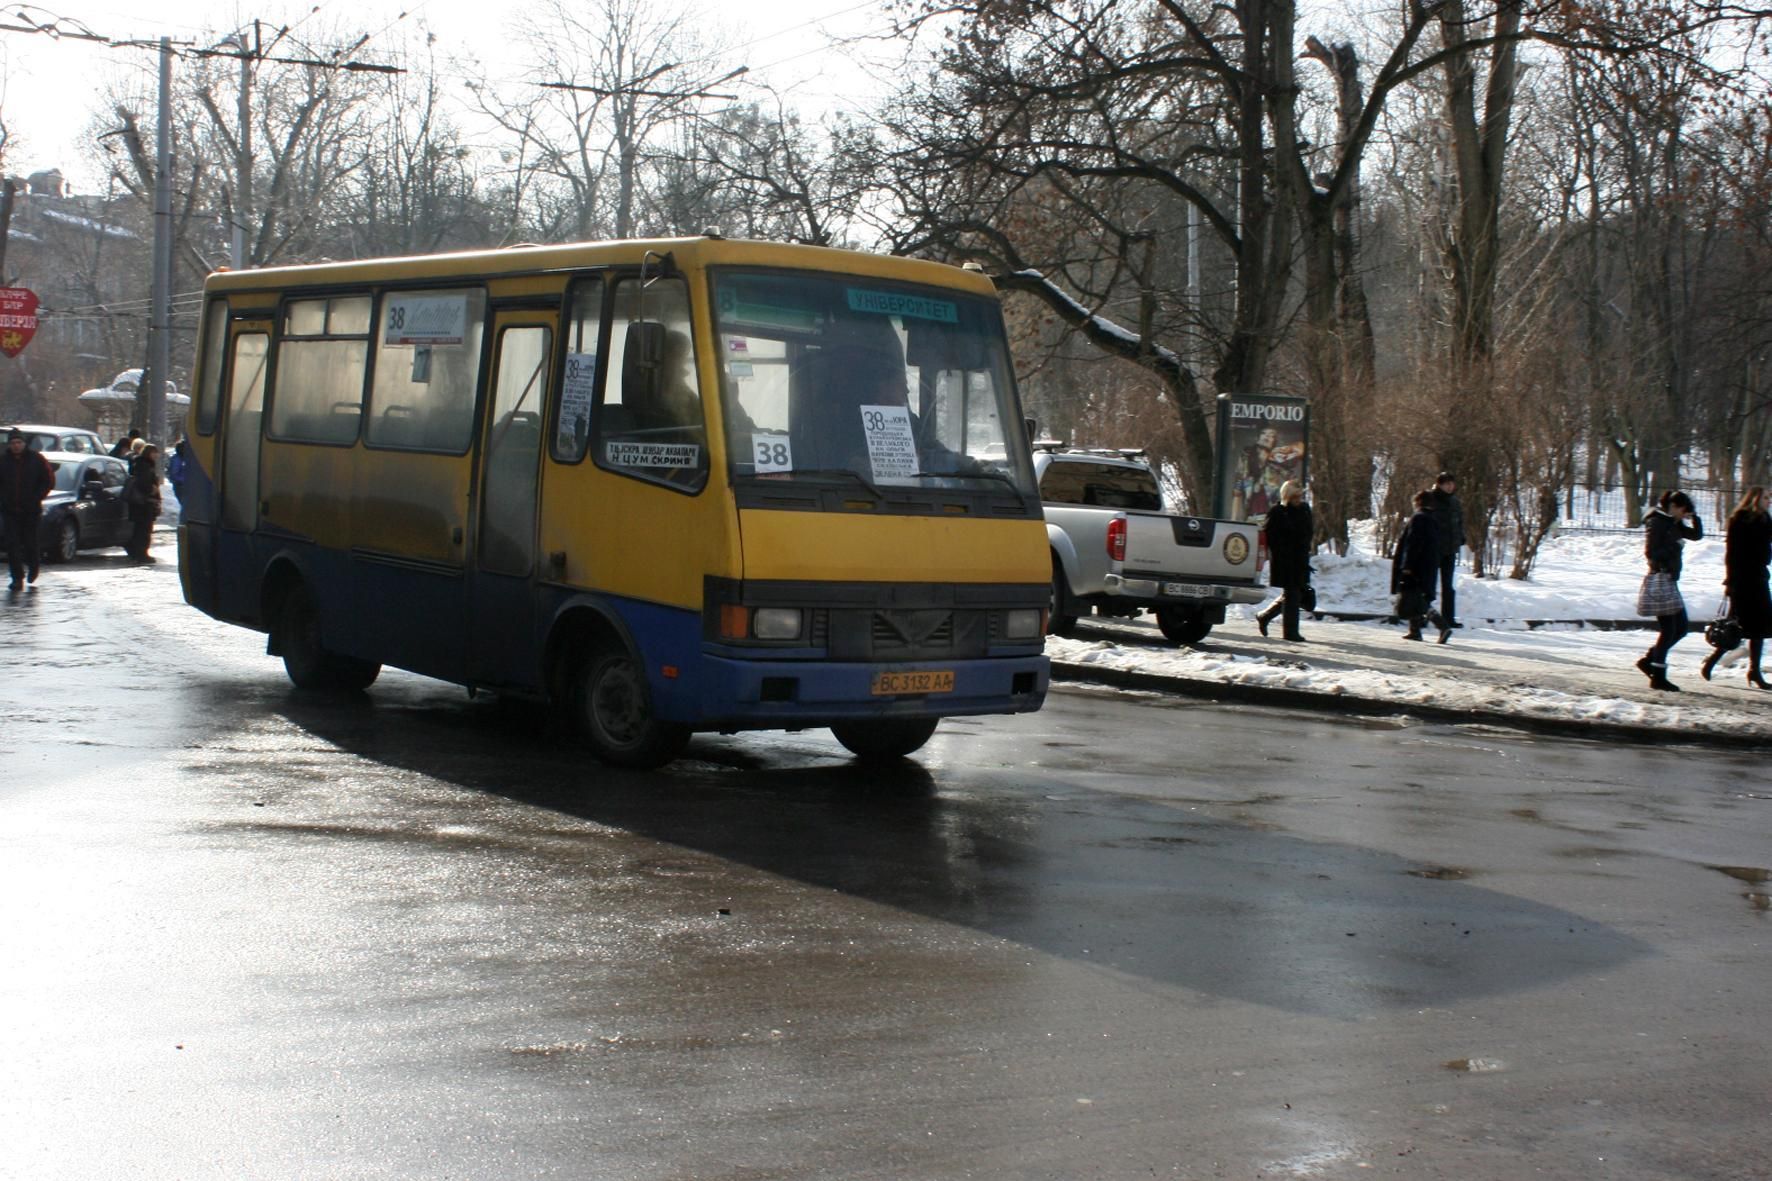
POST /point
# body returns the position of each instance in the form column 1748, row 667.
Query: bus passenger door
column 503, row 623
column 236, row 583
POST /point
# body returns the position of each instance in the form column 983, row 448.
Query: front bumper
column 743, row 694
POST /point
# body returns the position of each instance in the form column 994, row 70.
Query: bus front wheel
column 306, row 659
column 614, row 714
column 885, row 740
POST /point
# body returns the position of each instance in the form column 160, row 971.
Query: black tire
column 884, row 740
column 1061, row 613
column 1182, row 627
column 306, row 660
column 612, row 713
column 66, row 543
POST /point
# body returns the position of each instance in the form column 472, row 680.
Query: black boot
column 1647, row 666
column 1263, row 618
column 1710, row 662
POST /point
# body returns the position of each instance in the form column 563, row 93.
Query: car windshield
column 878, row 385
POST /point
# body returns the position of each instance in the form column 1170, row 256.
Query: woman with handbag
column 1415, row 568
column 1747, row 552
column 1289, row 528
column 1666, row 529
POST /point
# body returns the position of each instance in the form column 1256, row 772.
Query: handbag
column 1724, row 632
column 1307, row 598
column 1410, row 603
column 1659, row 595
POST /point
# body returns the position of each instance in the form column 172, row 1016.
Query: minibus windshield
column 879, row 385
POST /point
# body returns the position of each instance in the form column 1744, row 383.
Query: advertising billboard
column 1263, row 441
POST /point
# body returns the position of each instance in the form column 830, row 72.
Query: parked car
column 1116, row 553
column 74, row 439
column 85, row 510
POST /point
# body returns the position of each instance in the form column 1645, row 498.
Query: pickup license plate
column 892, row 684
column 1186, row 590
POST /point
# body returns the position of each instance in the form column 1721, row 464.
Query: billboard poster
column 1262, row 443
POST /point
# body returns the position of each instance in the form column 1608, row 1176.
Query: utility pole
column 159, row 366
column 243, row 147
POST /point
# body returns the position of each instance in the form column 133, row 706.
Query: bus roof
column 530, row 260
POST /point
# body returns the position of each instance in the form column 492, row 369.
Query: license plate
column 1186, row 590
column 891, row 684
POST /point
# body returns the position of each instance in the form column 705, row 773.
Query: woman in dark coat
column 1289, row 530
column 1666, row 529
column 1747, row 551
column 142, row 494
column 1415, row 569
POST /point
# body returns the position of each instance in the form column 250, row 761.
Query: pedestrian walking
column 121, row 449
column 1415, row 568
column 1747, row 553
column 1666, row 529
column 25, row 479
column 142, row 494
column 1449, row 518
column 1289, row 534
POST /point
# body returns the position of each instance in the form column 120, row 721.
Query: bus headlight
column 776, row 623
column 1022, row 623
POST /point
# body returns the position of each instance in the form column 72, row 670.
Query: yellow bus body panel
column 864, row 547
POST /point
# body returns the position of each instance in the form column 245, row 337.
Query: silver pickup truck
column 1114, row 550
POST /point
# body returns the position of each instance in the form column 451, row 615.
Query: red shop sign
column 18, row 319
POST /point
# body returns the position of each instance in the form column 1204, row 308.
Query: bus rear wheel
column 614, row 713
column 884, row 740
column 306, row 659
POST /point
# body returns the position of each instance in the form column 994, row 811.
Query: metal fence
column 1601, row 508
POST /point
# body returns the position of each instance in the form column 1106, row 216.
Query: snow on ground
column 1496, row 665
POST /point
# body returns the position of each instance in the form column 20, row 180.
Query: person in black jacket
column 1289, row 532
column 1747, row 552
column 25, row 479
column 1415, row 567
column 1449, row 519
column 1666, row 528
column 142, row 493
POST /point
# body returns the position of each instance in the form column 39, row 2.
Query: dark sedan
column 85, row 509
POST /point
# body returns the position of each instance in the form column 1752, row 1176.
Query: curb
column 1342, row 703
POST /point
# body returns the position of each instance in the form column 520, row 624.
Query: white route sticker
column 772, row 452
column 652, row 454
column 892, row 449
column 425, row 319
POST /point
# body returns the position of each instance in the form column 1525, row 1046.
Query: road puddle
column 1440, row 873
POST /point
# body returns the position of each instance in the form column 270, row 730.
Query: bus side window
column 570, row 439
column 648, row 423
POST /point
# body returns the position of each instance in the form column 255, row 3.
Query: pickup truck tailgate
column 1206, row 550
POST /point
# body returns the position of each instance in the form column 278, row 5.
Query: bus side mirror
column 642, row 362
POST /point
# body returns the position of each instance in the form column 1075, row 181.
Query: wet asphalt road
column 248, row 933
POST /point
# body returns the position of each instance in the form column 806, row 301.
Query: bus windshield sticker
column 911, row 307
column 892, row 450
column 773, row 452
column 426, row 319
column 739, row 368
column 736, row 310
column 576, row 394
column 652, row 454
column 737, row 344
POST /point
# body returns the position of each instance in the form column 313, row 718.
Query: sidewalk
column 1558, row 678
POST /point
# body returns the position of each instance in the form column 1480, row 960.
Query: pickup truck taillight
column 1116, row 539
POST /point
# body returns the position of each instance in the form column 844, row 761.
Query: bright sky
column 52, row 85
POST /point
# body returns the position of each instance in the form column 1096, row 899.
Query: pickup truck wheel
column 1182, row 627
column 885, row 740
column 1061, row 614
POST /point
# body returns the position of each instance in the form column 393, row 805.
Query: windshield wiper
column 839, row 471
column 981, row 474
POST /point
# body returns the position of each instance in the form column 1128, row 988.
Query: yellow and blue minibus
column 664, row 486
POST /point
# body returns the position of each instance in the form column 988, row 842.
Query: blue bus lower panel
column 760, row 694
column 724, row 692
